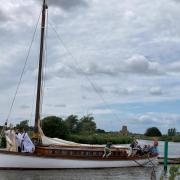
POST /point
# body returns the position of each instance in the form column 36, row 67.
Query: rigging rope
column 80, row 70
column 153, row 173
column 21, row 75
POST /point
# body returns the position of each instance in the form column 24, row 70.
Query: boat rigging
column 58, row 153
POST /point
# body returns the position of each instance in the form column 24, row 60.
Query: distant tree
column 54, row 127
column 23, row 125
column 1, row 127
column 71, row 123
column 169, row 132
column 87, row 125
column 153, row 131
column 100, row 131
column 172, row 132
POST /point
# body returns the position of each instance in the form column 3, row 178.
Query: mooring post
column 165, row 156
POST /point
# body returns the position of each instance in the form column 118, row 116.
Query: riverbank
column 115, row 138
column 161, row 138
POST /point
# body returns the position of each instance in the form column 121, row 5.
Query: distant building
column 124, row 131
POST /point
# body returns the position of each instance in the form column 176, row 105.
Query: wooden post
column 165, row 156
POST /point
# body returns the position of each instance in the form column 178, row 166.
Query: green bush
column 100, row 139
column 54, row 127
column 165, row 138
column 2, row 142
column 153, row 131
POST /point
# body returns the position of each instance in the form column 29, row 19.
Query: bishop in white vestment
column 27, row 145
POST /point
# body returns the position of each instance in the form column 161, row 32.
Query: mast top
column 45, row 6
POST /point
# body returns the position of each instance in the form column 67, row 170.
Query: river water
column 134, row 173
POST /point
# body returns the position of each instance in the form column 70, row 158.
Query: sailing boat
column 52, row 153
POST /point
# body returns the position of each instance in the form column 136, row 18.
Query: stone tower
column 124, row 131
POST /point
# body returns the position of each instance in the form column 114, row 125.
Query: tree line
column 81, row 130
column 84, row 130
column 54, row 126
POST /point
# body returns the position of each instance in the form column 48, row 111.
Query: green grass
column 176, row 138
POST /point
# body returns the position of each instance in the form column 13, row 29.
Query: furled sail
column 56, row 141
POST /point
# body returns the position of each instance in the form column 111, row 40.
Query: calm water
column 82, row 174
column 136, row 173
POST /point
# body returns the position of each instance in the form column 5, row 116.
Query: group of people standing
column 139, row 149
column 18, row 140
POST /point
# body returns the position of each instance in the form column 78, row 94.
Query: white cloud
column 137, row 64
column 139, row 122
column 155, row 91
column 102, row 111
column 129, row 54
column 141, row 65
column 174, row 67
column 67, row 5
column 3, row 16
column 24, row 107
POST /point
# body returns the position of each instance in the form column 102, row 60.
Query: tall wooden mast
column 39, row 83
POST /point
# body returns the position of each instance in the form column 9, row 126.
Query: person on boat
column 139, row 151
column 134, row 144
column 154, row 148
column 155, row 142
column 133, row 147
column 18, row 140
column 27, row 145
column 107, row 150
column 146, row 148
column 10, row 139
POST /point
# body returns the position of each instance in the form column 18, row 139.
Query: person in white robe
column 18, row 141
column 10, row 139
column 27, row 145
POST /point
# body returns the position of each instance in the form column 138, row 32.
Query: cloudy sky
column 118, row 60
